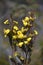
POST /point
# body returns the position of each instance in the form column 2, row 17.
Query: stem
column 26, row 57
column 25, row 62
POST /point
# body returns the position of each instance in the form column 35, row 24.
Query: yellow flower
column 26, row 19
column 29, row 24
column 19, row 32
column 25, row 42
column 29, row 39
column 6, row 31
column 15, row 28
column 6, row 22
column 20, row 44
column 24, row 29
column 31, row 18
column 15, row 22
column 14, row 37
column 36, row 33
column 24, row 23
column 20, row 36
column 14, row 31
column 22, row 58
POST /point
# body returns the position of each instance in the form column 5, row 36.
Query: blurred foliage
column 3, row 61
column 40, row 43
column 3, row 58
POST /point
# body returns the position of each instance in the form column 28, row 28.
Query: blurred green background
column 19, row 8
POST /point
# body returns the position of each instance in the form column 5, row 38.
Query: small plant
column 21, row 38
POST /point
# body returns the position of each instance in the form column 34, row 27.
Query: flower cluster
column 20, row 33
column 21, row 37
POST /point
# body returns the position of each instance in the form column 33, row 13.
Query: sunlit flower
column 25, row 42
column 20, row 35
column 6, row 22
column 20, row 44
column 26, row 19
column 14, row 31
column 24, row 29
column 29, row 24
column 15, row 22
column 6, row 31
column 31, row 18
column 35, row 31
column 19, row 32
column 29, row 39
column 14, row 37
column 24, row 23
column 15, row 28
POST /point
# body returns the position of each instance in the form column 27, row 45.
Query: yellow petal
column 25, row 42
column 19, row 32
column 31, row 18
column 29, row 39
column 15, row 28
column 15, row 22
column 14, row 37
column 24, row 29
column 6, row 22
column 20, row 36
column 14, row 31
column 24, row 23
column 35, row 32
column 6, row 31
column 29, row 24
column 26, row 19
column 20, row 44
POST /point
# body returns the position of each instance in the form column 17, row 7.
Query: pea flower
column 6, row 31
column 20, row 44
column 15, row 28
column 24, row 23
column 29, row 39
column 26, row 42
column 16, row 22
column 6, row 22
column 14, row 36
column 35, row 31
column 26, row 19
